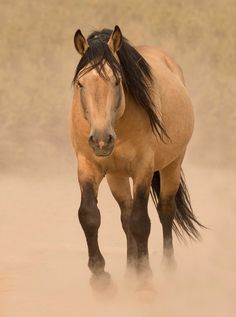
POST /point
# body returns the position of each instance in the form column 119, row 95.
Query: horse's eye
column 117, row 82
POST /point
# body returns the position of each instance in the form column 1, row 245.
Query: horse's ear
column 80, row 42
column 115, row 39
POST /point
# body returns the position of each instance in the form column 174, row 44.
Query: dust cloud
column 43, row 264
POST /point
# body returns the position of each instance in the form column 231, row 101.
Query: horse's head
column 101, row 91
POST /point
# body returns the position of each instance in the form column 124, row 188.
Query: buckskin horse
column 131, row 118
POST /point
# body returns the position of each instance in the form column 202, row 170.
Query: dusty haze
column 43, row 264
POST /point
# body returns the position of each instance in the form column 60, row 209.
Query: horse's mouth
column 103, row 152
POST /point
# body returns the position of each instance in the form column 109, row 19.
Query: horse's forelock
column 97, row 56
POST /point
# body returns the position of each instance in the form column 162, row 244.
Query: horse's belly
column 164, row 156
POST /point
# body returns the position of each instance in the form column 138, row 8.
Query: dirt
column 44, row 257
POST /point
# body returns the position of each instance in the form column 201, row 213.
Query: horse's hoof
column 145, row 275
column 146, row 292
column 130, row 272
column 100, row 282
column 169, row 264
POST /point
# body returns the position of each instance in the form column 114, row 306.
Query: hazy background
column 43, row 254
column 38, row 60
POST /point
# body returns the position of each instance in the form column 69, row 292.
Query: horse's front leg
column 140, row 223
column 121, row 191
column 90, row 219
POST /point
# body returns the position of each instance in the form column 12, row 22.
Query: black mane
column 132, row 68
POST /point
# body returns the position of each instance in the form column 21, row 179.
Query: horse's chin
column 103, row 153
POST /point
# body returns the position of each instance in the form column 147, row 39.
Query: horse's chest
column 121, row 162
column 126, row 158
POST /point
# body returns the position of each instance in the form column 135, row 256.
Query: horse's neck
column 134, row 119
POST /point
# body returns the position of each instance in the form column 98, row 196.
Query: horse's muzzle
column 102, row 146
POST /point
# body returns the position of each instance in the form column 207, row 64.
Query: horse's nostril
column 91, row 139
column 110, row 139
column 102, row 142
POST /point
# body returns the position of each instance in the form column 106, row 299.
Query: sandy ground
column 43, row 269
column 43, row 261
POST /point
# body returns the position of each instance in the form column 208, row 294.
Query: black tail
column 184, row 221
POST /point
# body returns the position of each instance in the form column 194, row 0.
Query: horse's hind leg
column 120, row 189
column 140, row 224
column 169, row 184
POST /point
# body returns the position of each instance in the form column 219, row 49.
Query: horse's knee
column 89, row 217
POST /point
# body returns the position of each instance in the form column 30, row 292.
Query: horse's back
column 172, row 101
column 158, row 55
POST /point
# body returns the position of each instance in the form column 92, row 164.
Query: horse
column 132, row 118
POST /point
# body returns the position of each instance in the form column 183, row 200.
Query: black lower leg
column 166, row 209
column 126, row 209
column 89, row 217
column 140, row 227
